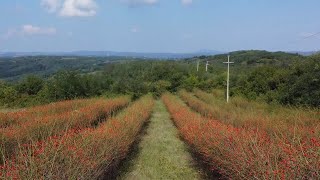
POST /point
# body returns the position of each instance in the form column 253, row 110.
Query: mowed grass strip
column 160, row 154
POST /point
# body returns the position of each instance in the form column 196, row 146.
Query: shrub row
column 81, row 154
column 42, row 127
column 15, row 118
column 242, row 113
column 245, row 153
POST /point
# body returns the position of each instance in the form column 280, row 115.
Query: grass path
column 160, row 154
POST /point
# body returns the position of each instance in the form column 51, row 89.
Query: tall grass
column 246, row 153
column 41, row 127
column 243, row 113
column 270, row 112
column 81, row 154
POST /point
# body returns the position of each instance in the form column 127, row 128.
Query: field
column 241, row 140
column 124, row 139
column 53, row 140
column 159, row 90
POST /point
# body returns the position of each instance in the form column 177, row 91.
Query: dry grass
column 243, row 113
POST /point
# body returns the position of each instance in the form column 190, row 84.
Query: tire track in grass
column 160, row 154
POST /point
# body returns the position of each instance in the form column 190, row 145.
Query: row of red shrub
column 15, row 118
column 81, row 154
column 241, row 113
column 245, row 153
column 42, row 127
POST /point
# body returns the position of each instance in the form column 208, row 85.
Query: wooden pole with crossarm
column 198, row 62
column 207, row 66
column 228, row 76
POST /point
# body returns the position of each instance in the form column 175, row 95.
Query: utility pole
column 198, row 65
column 207, row 66
column 228, row 76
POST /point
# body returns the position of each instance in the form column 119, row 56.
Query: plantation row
column 41, row 127
column 14, row 118
column 244, row 151
column 262, row 111
column 70, row 146
column 242, row 113
column 84, row 139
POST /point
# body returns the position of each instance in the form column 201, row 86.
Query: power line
column 312, row 35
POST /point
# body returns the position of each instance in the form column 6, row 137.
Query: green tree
column 8, row 96
column 190, row 82
column 303, row 85
column 31, row 85
column 160, row 87
column 65, row 85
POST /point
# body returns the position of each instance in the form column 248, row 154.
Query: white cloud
column 29, row 30
column 9, row 33
column 135, row 29
column 35, row 30
column 71, row 8
column 186, row 2
column 82, row 8
column 51, row 5
column 140, row 2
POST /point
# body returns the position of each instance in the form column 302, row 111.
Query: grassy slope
column 161, row 154
column 5, row 110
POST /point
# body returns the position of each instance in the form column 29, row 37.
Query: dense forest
column 15, row 68
column 278, row 77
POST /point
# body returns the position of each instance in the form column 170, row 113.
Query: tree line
column 297, row 83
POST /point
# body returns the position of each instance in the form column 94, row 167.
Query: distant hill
column 202, row 52
column 305, row 53
column 15, row 66
column 252, row 58
column 112, row 53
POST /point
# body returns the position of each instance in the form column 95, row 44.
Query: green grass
column 5, row 110
column 160, row 154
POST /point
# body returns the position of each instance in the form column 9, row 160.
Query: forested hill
column 253, row 58
column 257, row 75
column 15, row 68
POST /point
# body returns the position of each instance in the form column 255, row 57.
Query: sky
column 177, row 26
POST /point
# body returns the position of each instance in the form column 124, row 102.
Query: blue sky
column 159, row 25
